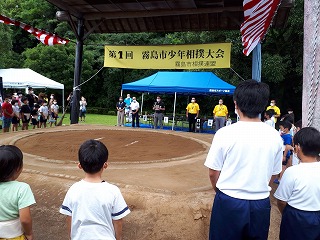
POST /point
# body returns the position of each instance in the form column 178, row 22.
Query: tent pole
column 174, row 109
column 63, row 106
column 141, row 104
column 256, row 63
column 121, row 92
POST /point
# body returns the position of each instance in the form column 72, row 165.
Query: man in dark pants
column 32, row 98
column 243, row 159
column 134, row 106
column 158, row 108
column 192, row 114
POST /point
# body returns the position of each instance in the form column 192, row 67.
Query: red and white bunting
column 43, row 36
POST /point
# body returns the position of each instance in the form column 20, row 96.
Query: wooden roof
column 128, row 16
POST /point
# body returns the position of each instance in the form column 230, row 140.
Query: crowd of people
column 244, row 160
column 246, row 157
column 28, row 110
column 86, row 218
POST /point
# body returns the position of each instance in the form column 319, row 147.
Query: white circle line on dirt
column 205, row 144
column 131, row 143
column 97, row 139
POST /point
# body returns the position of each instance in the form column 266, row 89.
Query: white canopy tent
column 25, row 77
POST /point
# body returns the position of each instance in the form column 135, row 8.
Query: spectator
column 35, row 116
column 220, row 114
column 44, row 113
column 276, row 110
column 25, row 113
column 7, row 114
column 299, row 190
column 242, row 160
column 16, row 197
column 32, row 98
column 135, row 106
column 127, row 112
column 268, row 115
column 54, row 112
column 192, row 114
column 83, row 109
column 158, row 108
column 120, row 106
column 287, row 144
column 16, row 116
column 94, row 208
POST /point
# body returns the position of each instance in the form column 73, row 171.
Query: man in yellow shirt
column 220, row 114
column 192, row 114
column 275, row 109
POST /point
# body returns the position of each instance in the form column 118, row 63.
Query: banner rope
column 77, row 87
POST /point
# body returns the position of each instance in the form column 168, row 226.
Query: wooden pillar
column 75, row 105
column 311, row 65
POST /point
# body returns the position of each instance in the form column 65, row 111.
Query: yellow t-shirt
column 276, row 111
column 193, row 108
column 220, row 111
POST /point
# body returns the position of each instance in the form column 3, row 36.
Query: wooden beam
column 158, row 13
column 65, row 7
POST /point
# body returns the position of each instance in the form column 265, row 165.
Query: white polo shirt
column 134, row 105
column 300, row 186
column 247, row 154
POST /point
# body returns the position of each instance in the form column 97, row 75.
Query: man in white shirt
column 134, row 106
column 242, row 160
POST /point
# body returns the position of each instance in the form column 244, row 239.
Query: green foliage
column 282, row 60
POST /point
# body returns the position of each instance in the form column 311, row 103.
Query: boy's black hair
column 298, row 124
column 251, row 97
column 13, row 101
column 288, row 118
column 92, row 155
column 285, row 124
column 11, row 161
column 23, row 99
column 270, row 113
column 308, row 139
column 9, row 96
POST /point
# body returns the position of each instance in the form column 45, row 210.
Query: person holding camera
column 32, row 98
column 158, row 108
column 134, row 106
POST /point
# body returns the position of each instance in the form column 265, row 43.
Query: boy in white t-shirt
column 54, row 112
column 268, row 118
column 299, row 191
column 94, row 208
column 44, row 113
column 242, row 160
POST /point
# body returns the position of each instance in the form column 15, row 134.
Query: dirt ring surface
column 123, row 146
column 168, row 191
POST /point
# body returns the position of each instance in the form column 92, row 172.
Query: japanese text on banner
column 195, row 56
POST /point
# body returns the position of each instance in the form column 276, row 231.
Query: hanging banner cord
column 77, row 87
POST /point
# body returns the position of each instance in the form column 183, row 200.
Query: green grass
column 107, row 120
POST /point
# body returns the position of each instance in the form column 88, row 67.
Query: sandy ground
column 160, row 173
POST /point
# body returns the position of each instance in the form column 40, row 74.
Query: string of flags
column 43, row 36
